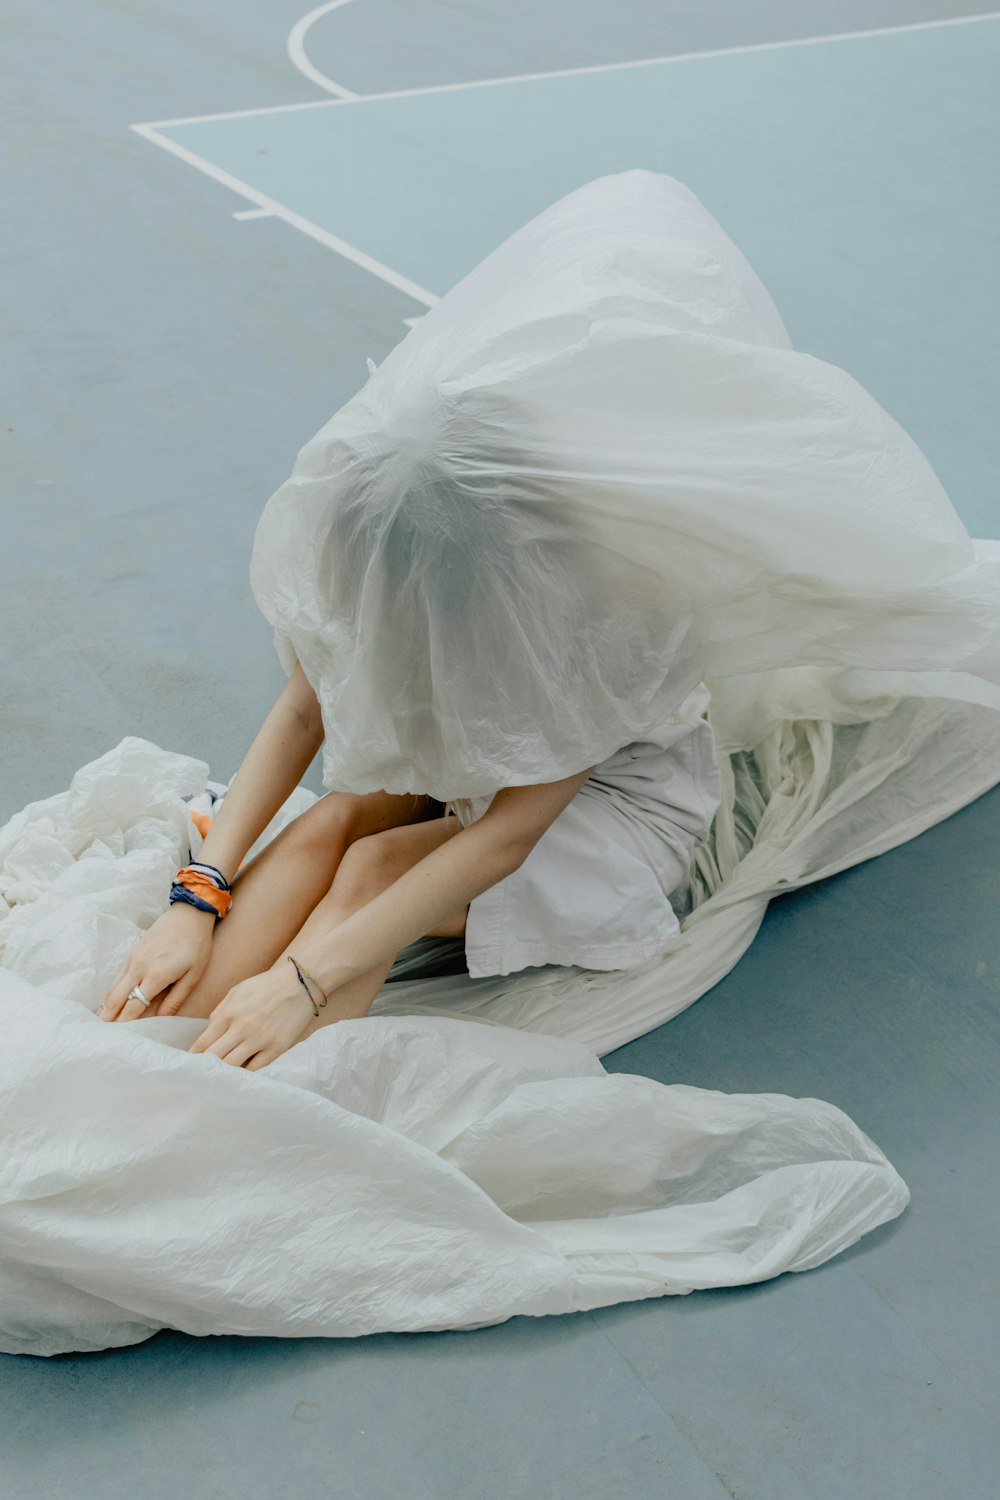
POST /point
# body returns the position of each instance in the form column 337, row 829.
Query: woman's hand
column 173, row 953
column 260, row 1018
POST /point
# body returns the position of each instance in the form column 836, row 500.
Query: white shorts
column 595, row 889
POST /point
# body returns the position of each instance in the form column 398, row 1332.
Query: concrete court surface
column 186, row 302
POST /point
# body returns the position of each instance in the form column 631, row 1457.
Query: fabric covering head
column 593, row 475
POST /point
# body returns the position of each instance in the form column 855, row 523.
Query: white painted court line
column 297, row 51
column 642, row 62
column 270, row 207
column 297, row 221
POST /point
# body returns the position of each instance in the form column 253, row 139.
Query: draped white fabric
column 608, row 404
column 593, row 475
column 398, row 1173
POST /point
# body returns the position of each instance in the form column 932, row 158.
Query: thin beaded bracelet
column 315, row 981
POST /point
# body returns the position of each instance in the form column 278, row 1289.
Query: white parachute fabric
column 812, row 799
column 592, row 476
column 390, row 1173
column 608, row 404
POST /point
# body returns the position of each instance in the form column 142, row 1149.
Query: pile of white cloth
column 638, row 484
column 399, row 1172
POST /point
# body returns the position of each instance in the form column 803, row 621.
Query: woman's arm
column 169, row 958
column 442, row 882
column 278, row 758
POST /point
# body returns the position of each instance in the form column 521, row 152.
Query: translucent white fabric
column 391, row 1173
column 609, row 404
column 593, row 475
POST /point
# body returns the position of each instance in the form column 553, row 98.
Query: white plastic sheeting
column 743, row 514
column 595, row 474
column 397, row 1173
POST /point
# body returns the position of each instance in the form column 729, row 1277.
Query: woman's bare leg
column 372, row 865
column 276, row 891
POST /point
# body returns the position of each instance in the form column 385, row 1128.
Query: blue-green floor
column 168, row 360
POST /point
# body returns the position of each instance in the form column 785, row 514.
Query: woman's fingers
column 117, row 1005
column 174, row 996
column 261, row 1060
column 133, row 1009
column 117, row 995
column 229, row 1041
column 217, row 1026
column 232, row 1045
column 239, row 1053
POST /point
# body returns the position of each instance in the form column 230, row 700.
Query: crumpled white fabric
column 595, row 474
column 740, row 513
column 392, row 1173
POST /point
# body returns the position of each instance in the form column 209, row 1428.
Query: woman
column 358, row 876
column 300, row 890
column 592, row 487
column 592, row 482
column 473, row 640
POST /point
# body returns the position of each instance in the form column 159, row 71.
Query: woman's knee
column 369, row 864
column 372, row 863
column 321, row 832
column 369, row 813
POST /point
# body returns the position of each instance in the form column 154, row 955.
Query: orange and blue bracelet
column 203, row 886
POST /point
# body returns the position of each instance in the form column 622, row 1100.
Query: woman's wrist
column 225, row 860
column 197, row 915
column 326, row 963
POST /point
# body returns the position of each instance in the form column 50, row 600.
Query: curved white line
column 297, row 51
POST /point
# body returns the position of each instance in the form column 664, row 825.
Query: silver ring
column 135, row 993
